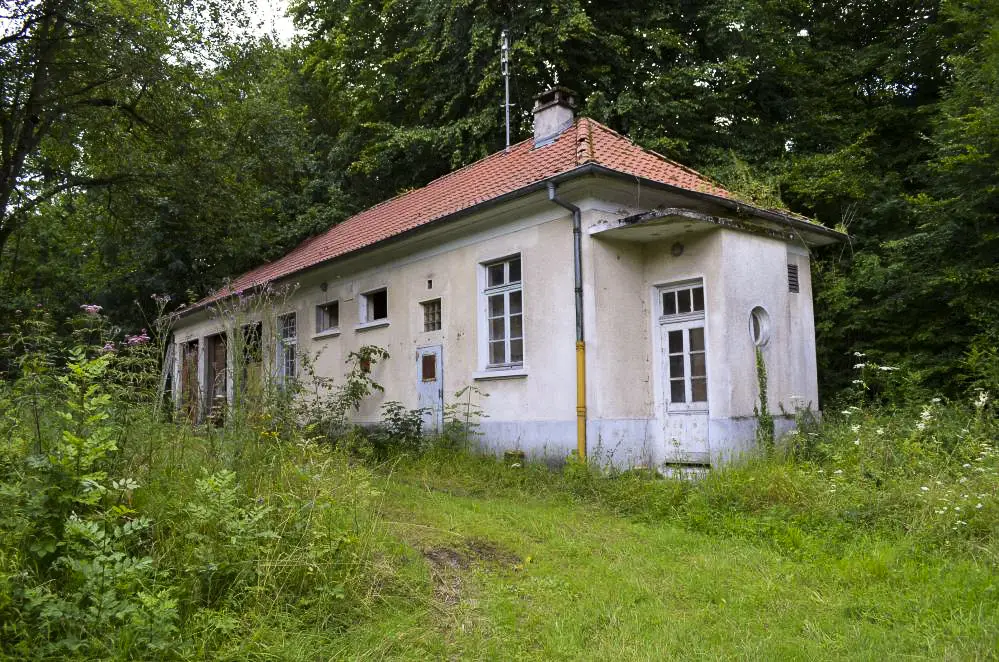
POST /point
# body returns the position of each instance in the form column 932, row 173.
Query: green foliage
column 764, row 419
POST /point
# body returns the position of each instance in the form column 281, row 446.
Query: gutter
column 577, row 269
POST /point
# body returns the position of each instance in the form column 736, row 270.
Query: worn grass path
column 515, row 576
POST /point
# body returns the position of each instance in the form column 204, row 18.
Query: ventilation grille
column 792, row 278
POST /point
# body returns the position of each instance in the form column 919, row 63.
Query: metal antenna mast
column 505, row 68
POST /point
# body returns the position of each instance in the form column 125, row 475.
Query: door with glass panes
column 684, row 370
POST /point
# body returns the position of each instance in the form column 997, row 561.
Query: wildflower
column 838, row 471
column 108, row 347
column 924, row 488
column 982, row 399
column 856, row 442
column 978, row 505
column 860, row 366
column 926, row 415
column 935, row 400
column 920, row 426
column 855, row 428
column 91, row 308
column 879, row 431
column 859, row 354
column 140, row 339
column 858, row 381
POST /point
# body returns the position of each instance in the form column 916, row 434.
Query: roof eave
column 819, row 234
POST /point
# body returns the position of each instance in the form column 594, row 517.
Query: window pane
column 378, row 305
column 697, row 365
column 516, row 326
column 516, row 351
column 683, row 301
column 697, row 339
column 698, row 298
column 497, row 352
column 676, row 366
column 675, row 343
column 432, row 315
column 495, row 275
column 669, row 303
column 514, row 271
column 496, row 305
column 515, row 302
column 699, row 390
column 676, row 393
column 428, row 367
column 496, row 329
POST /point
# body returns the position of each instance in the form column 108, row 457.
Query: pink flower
column 108, row 347
column 91, row 308
column 140, row 339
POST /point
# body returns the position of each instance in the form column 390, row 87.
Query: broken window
column 374, row 306
column 327, row 316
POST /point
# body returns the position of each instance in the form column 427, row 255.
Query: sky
column 271, row 14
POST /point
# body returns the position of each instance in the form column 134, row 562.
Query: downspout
column 577, row 267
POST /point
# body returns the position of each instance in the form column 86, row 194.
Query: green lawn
column 505, row 574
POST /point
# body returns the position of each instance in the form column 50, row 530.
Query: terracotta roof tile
column 587, row 141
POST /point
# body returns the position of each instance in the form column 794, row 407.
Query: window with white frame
column 287, row 344
column 431, row 315
column 682, row 323
column 327, row 316
column 504, row 309
column 374, row 306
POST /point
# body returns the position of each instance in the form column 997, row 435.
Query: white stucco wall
column 535, row 409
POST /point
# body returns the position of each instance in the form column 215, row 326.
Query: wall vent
column 792, row 278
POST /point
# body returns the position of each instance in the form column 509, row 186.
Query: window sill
column 377, row 324
column 328, row 333
column 500, row 373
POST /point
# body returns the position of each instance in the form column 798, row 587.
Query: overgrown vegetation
column 127, row 535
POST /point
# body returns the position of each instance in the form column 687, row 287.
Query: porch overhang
column 671, row 222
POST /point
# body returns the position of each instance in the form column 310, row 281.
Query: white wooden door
column 683, row 366
column 430, row 387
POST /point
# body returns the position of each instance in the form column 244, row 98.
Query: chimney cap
column 555, row 96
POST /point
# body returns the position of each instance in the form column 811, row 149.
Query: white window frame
column 365, row 310
column 683, row 322
column 332, row 329
column 282, row 345
column 507, row 367
column 424, row 309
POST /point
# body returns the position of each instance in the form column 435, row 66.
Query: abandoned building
column 607, row 300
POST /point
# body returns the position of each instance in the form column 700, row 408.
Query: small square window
column 374, row 306
column 327, row 316
column 432, row 315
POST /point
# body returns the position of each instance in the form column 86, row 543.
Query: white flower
column 926, row 415
column 879, row 431
column 858, row 381
column 982, row 399
column 838, row 471
column 859, row 366
column 859, row 354
column 887, row 368
column 856, row 442
column 920, row 426
column 924, row 488
column 978, row 505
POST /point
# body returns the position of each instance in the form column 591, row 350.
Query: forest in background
column 153, row 147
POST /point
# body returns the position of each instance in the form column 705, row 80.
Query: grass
column 508, row 573
column 874, row 535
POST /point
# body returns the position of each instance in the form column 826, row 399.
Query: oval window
column 759, row 326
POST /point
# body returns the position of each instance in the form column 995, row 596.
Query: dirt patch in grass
column 491, row 552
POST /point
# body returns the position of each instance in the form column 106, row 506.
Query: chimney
column 554, row 112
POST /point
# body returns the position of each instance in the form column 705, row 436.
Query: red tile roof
column 585, row 142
